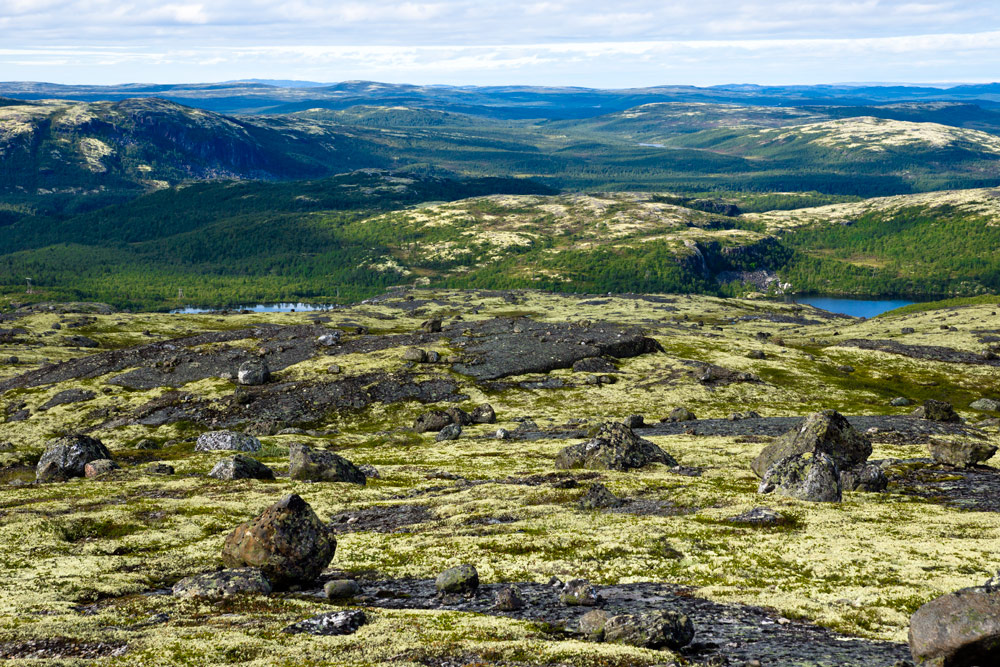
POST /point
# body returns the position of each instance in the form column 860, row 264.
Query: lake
column 852, row 307
column 260, row 308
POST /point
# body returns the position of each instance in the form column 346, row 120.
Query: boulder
column 330, row 623
column 340, row 589
column 615, row 447
column 484, row 414
column 826, row 432
column 449, row 432
column 509, row 599
column 938, row 411
column 99, row 467
column 431, row 326
column 960, row 629
column 900, row 402
column 223, row 584
column 68, row 457
column 810, row 476
column 227, row 441
column 459, row 579
column 241, row 467
column 634, row 421
column 598, row 497
column 305, row 463
column 432, row 421
column 592, row 624
column 329, row 339
column 869, row 478
column 963, row 454
column 502, row 434
column 288, row 542
column 986, row 405
column 459, row 416
column 594, row 365
column 253, row 372
column 579, row 593
column 159, row 468
column 680, row 414
column 759, row 516
column 654, row 629
column 415, row 355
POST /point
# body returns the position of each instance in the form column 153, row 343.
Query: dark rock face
column 330, row 623
column 253, row 372
column 616, row 447
column 960, row 629
column 963, row 454
column 459, row 579
column 227, row 441
column 223, row 584
column 929, row 352
column 68, row 457
column 937, row 411
column 320, row 466
column 287, row 542
column 241, row 467
column 68, row 396
column 654, row 629
column 812, row 477
column 826, row 432
column 870, row 478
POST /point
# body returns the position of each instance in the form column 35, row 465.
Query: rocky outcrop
column 826, row 432
column 937, row 411
column 68, row 457
column 961, row 454
column 287, row 542
column 316, row 465
column 615, row 447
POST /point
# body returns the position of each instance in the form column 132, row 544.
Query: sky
column 594, row 43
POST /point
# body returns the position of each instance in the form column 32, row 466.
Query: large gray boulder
column 654, row 629
column 316, row 465
column 287, row 542
column 812, row 477
column 615, row 447
column 963, row 454
column 960, row 629
column 986, row 405
column 241, row 467
column 223, row 584
column 68, row 457
column 227, row 441
column 459, row 579
column 827, row 432
column 253, row 372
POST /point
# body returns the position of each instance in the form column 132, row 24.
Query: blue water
column 260, row 308
column 853, row 307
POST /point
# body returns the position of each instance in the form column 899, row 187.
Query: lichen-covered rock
column 227, row 441
column 223, row 584
column 253, row 372
column 615, row 447
column 826, row 432
column 340, row 589
column 459, row 416
column 484, row 414
column 509, row 599
column 432, row 421
column 579, row 593
column 449, row 432
column 159, row 468
column 241, row 467
column 810, row 476
column 316, row 465
column 963, row 454
column 415, row 355
column 459, row 579
column 99, row 467
column 938, row 411
column 330, row 623
column 868, row 478
column 591, row 624
column 634, row 421
column 986, row 405
column 288, row 542
column 68, row 457
column 759, row 516
column 960, row 629
column 598, row 497
column 680, row 414
column 655, row 630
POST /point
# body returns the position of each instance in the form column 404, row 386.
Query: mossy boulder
column 810, row 476
column 341, row 589
column 459, row 579
column 598, row 497
column 960, row 629
column 937, row 411
column 870, row 478
column 615, row 447
column 288, row 542
column 223, row 584
column 986, row 405
column 964, row 454
column 315, row 465
column 99, row 468
column 68, row 457
column 655, row 630
column 240, row 467
column 827, row 432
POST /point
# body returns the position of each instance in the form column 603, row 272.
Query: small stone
column 432, row 421
column 338, row 589
column 433, row 357
column 654, row 630
column 579, row 593
column 900, row 402
column 460, row 579
column 509, row 599
column 431, row 326
column 615, row 447
column 305, row 463
column 147, row 444
column 598, row 497
column 159, row 468
column 449, row 432
column 459, row 416
column 986, row 405
column 592, row 624
column 868, row 478
column 415, row 355
column 907, row 330
column 502, row 434
column 331, row 623
column 253, row 372
column 370, row 471
column 333, row 369
column 845, row 369
column 484, row 414
column 99, row 467
column 68, row 456
column 759, row 516
column 939, row 411
column 329, row 339
column 756, row 354
column 227, row 441
column 681, row 414
column 223, row 584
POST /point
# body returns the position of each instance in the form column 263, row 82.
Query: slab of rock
column 68, row 457
column 615, row 447
column 960, row 629
column 223, row 584
column 937, row 411
column 810, row 476
column 99, row 467
column 986, row 405
column 459, row 579
column 288, row 542
column 241, row 467
column 963, row 454
column 759, row 516
column 253, row 372
column 330, row 623
column 227, row 441
column 826, row 432
column 316, row 465
column 655, row 630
